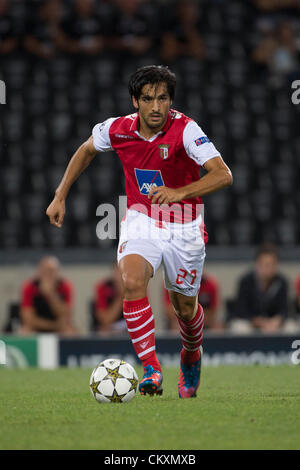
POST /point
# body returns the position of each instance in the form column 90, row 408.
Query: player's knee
column 133, row 285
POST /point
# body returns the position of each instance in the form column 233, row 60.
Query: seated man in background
column 46, row 304
column 297, row 286
column 8, row 35
column 82, row 32
column 209, row 298
column 262, row 297
column 108, row 311
column 182, row 32
column 208, row 295
column 134, row 28
column 43, row 31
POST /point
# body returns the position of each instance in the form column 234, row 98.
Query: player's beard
column 155, row 124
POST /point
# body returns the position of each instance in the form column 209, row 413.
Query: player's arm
column 32, row 322
column 105, row 313
column 79, row 161
column 218, row 176
column 268, row 325
column 61, row 310
column 199, row 148
column 110, row 314
column 58, row 306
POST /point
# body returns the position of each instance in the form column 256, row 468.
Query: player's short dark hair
column 151, row 74
column 267, row 249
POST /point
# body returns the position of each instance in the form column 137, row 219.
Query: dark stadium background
column 53, row 103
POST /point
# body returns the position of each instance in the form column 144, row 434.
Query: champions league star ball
column 114, row 381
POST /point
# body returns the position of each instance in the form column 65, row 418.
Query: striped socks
column 191, row 335
column 140, row 325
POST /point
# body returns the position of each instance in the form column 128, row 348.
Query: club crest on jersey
column 148, row 179
column 164, row 151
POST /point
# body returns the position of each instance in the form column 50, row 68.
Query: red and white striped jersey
column 172, row 157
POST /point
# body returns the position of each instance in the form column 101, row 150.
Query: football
column 114, row 381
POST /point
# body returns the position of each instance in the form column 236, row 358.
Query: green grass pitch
column 237, row 407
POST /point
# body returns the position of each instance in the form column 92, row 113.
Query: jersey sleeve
column 101, row 298
column 197, row 145
column 214, row 293
column 27, row 293
column 297, row 285
column 101, row 136
column 166, row 297
column 66, row 289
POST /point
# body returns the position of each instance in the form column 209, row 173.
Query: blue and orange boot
column 189, row 378
column 151, row 383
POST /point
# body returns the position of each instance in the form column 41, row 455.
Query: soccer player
column 162, row 151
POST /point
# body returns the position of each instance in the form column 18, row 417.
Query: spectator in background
column 82, row 32
column 181, row 37
column 42, row 31
column 278, row 53
column 277, row 5
column 108, row 310
column 262, row 298
column 46, row 304
column 209, row 298
column 8, row 39
column 134, row 30
column 171, row 319
column 297, row 286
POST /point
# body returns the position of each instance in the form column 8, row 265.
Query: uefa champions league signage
column 2, row 353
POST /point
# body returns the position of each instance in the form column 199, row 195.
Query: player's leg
column 136, row 272
column 191, row 321
column 183, row 261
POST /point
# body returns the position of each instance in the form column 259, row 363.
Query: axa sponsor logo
column 147, row 187
column 147, row 179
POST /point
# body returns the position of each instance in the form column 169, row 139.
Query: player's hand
column 47, row 286
column 164, row 195
column 56, row 212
